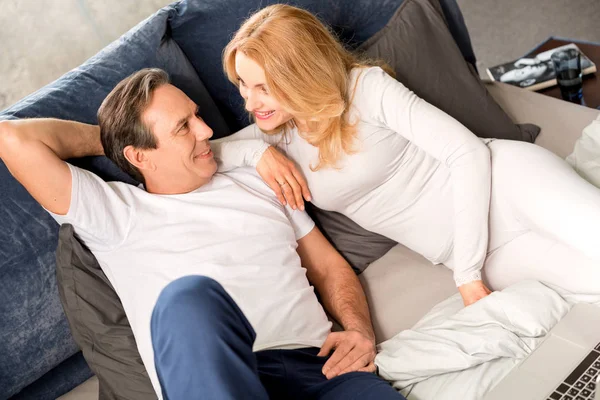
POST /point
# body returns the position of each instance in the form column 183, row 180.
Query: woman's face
column 268, row 112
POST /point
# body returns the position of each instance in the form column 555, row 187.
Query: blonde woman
column 372, row 150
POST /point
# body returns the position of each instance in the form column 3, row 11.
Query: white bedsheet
column 461, row 353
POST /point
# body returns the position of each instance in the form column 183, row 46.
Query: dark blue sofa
column 38, row 357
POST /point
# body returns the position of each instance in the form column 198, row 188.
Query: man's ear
column 138, row 158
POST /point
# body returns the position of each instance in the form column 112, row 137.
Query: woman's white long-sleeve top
column 417, row 175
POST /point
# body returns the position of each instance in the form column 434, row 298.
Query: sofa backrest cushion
column 203, row 29
column 35, row 335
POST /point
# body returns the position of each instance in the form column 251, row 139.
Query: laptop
column 565, row 366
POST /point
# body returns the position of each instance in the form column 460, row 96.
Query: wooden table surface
column 591, row 82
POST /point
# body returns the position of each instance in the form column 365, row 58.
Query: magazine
column 535, row 73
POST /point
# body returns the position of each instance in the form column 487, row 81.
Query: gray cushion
column 417, row 44
column 98, row 322
column 357, row 245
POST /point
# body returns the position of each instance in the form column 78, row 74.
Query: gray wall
column 42, row 39
column 503, row 30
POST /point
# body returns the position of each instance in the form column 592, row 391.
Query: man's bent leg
column 203, row 343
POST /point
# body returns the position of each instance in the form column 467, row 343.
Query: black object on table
column 591, row 82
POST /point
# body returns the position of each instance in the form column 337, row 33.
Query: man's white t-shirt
column 232, row 229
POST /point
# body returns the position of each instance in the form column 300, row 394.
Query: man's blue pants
column 203, row 350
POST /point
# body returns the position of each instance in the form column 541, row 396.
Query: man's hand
column 284, row 178
column 353, row 352
column 473, row 291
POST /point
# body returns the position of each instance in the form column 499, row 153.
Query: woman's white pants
column 544, row 221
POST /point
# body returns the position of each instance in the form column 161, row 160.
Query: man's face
column 183, row 160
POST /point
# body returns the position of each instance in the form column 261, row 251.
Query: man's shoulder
column 247, row 179
column 84, row 174
column 89, row 188
column 248, row 174
column 123, row 186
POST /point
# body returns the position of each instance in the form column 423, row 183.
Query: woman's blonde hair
column 307, row 70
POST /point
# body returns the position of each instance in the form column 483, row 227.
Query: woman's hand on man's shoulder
column 283, row 176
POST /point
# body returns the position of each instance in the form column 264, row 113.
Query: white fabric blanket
column 585, row 158
column 461, row 352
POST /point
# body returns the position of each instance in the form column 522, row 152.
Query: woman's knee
column 510, row 150
column 522, row 154
column 519, row 164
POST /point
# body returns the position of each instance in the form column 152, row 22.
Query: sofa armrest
column 561, row 121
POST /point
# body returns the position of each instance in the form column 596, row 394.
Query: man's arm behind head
column 33, row 151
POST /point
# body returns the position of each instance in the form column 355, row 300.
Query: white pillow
column 585, row 158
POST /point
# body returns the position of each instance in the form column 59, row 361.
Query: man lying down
column 208, row 266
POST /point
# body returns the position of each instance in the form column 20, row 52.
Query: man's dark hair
column 120, row 117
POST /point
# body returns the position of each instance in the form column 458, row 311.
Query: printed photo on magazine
column 535, row 73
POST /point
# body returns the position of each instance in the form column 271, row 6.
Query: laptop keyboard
column 580, row 385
